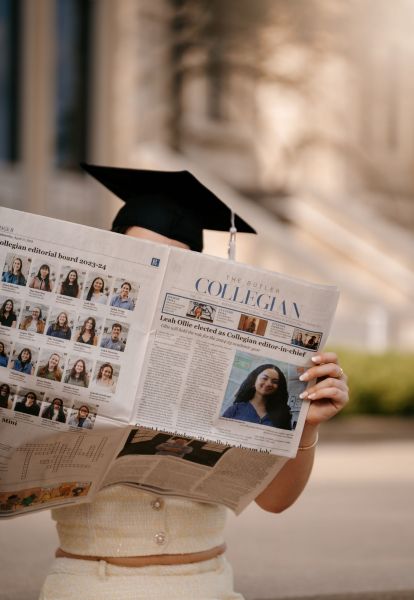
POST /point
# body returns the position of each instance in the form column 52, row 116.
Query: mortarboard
column 172, row 203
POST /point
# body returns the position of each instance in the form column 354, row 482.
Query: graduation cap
column 172, row 203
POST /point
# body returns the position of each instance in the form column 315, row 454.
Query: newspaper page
column 219, row 327
column 76, row 305
column 223, row 331
column 39, row 470
column 206, row 471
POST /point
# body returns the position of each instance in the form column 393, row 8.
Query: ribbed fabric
column 72, row 579
column 123, row 521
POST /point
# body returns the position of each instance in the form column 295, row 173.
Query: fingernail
column 316, row 359
column 303, row 377
column 303, row 395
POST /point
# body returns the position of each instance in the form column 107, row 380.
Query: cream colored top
column 123, row 521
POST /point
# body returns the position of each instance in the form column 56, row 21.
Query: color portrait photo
column 262, row 391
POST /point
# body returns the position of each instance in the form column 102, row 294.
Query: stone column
column 37, row 101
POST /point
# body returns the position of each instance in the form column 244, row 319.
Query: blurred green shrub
column 380, row 384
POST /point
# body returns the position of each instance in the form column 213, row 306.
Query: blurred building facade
column 298, row 114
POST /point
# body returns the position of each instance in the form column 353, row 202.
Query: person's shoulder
column 231, row 411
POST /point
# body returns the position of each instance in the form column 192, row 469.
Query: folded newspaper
column 124, row 361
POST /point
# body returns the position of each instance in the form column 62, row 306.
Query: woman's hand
column 327, row 397
column 329, row 394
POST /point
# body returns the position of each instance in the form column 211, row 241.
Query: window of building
column 9, row 79
column 73, row 45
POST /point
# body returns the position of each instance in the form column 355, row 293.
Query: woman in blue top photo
column 4, row 359
column 15, row 275
column 60, row 328
column 23, row 363
column 262, row 398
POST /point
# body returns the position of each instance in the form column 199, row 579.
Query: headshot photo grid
column 64, row 326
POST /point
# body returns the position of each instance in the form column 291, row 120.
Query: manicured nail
column 303, row 377
column 316, row 359
column 303, row 395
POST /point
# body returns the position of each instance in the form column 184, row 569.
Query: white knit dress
column 125, row 522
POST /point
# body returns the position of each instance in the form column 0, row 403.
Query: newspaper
column 124, row 361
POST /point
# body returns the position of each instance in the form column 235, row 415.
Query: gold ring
column 341, row 372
